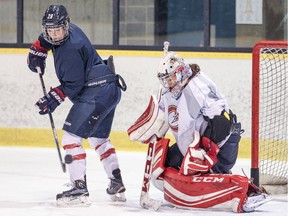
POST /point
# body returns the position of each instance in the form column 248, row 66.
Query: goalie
column 207, row 135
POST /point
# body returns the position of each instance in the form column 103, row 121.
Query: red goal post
column 269, row 138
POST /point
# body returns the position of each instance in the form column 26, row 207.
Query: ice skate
column 255, row 201
column 116, row 187
column 77, row 196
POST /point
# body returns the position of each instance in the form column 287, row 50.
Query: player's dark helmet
column 55, row 17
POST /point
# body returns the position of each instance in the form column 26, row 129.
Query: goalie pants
column 227, row 155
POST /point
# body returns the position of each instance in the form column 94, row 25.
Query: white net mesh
column 273, row 115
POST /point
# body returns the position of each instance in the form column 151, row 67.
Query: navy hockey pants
column 92, row 113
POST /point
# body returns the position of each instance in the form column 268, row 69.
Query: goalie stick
column 63, row 165
column 145, row 200
column 165, row 48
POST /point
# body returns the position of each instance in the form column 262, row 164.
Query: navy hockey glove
column 37, row 57
column 50, row 102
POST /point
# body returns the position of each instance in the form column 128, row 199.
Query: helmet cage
column 173, row 73
column 167, row 67
column 163, row 79
column 173, row 68
column 55, row 17
column 47, row 37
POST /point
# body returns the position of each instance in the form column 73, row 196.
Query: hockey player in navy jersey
column 94, row 89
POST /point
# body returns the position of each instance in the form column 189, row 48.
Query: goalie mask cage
column 270, row 115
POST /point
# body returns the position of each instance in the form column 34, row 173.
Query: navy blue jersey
column 74, row 61
column 88, row 82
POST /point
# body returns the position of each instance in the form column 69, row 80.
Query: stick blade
column 148, row 203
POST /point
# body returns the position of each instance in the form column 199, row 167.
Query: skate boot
column 254, row 198
column 78, row 195
column 255, row 201
column 116, row 187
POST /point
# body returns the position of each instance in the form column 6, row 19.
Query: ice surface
column 31, row 177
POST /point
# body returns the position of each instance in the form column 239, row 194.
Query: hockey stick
column 145, row 200
column 165, row 48
column 63, row 165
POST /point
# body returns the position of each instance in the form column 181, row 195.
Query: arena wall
column 20, row 123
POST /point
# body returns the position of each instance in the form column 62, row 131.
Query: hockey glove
column 200, row 160
column 37, row 57
column 51, row 101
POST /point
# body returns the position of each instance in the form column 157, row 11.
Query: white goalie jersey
column 185, row 114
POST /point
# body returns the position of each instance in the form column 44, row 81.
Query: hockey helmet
column 172, row 72
column 55, row 24
column 172, row 65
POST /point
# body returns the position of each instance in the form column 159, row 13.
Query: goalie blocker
column 183, row 189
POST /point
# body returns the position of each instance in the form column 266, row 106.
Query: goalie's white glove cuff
column 197, row 153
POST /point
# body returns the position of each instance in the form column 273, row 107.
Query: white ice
column 31, row 177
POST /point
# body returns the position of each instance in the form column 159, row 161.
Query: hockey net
column 269, row 167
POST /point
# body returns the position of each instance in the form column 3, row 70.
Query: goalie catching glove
column 150, row 125
column 51, row 101
column 197, row 159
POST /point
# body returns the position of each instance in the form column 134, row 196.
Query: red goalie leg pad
column 202, row 191
column 253, row 189
column 241, row 197
column 158, row 162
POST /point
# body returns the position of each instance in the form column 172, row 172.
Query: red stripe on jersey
column 107, row 153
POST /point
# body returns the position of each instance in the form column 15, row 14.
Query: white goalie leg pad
column 151, row 123
column 158, row 162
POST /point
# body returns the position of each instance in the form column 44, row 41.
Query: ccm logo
column 207, row 179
